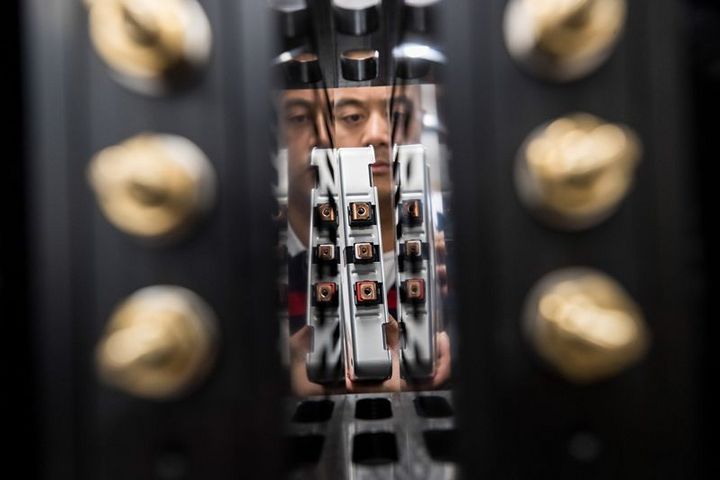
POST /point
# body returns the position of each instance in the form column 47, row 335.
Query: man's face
column 362, row 118
column 304, row 126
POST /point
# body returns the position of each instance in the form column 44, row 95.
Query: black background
column 699, row 72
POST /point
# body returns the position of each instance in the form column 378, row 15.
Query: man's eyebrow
column 297, row 102
column 349, row 101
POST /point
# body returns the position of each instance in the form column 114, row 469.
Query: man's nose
column 377, row 130
column 323, row 132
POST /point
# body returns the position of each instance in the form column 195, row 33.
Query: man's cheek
column 299, row 159
column 345, row 139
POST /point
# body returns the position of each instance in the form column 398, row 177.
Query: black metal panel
column 14, row 252
column 521, row 417
column 704, row 28
column 83, row 266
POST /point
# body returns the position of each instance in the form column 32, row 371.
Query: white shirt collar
column 294, row 245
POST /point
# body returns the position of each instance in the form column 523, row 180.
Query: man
column 347, row 117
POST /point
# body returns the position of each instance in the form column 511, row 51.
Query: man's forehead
column 308, row 94
column 363, row 93
column 358, row 94
column 373, row 94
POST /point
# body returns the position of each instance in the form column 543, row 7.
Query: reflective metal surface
column 374, row 436
column 390, row 198
column 393, row 288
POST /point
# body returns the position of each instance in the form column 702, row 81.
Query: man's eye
column 353, row 118
column 298, row 119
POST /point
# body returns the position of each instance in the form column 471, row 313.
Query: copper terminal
column 325, row 292
column 412, row 212
column 326, row 252
column 366, row 292
column 360, row 212
column 326, row 213
column 413, row 248
column 364, row 252
column 414, row 290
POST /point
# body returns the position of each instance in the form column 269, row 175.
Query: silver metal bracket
column 366, row 313
column 415, row 266
column 324, row 362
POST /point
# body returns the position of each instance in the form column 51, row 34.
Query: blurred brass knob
column 158, row 343
column 152, row 186
column 584, row 324
column 573, row 172
column 563, row 40
column 147, row 42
